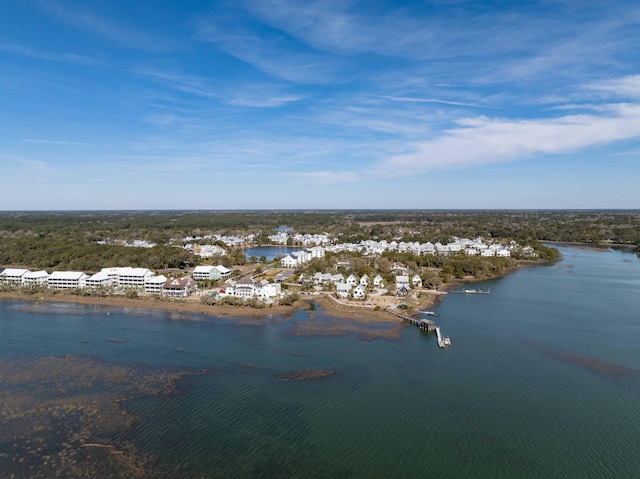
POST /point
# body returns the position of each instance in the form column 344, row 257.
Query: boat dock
column 471, row 291
column 421, row 323
column 443, row 341
column 424, row 324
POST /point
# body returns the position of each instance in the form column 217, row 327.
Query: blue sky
column 319, row 104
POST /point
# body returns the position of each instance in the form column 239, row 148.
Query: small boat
column 429, row 313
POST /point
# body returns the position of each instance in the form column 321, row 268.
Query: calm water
column 541, row 381
column 270, row 252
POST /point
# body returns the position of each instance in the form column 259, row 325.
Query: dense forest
column 69, row 240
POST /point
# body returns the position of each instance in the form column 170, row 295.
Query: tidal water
column 542, row 380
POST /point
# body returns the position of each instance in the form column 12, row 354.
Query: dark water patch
column 305, row 375
column 329, row 326
column 595, row 365
column 63, row 417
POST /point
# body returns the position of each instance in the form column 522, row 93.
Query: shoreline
column 337, row 308
column 331, row 306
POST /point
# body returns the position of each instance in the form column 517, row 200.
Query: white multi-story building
column 13, row 275
column 128, row 277
column 35, row 277
column 67, row 280
column 205, row 273
column 98, row 280
column 154, row 285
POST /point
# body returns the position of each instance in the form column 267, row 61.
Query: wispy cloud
column 56, row 57
column 275, row 54
column 483, row 141
column 628, row 87
column 403, row 99
column 259, row 95
column 97, row 24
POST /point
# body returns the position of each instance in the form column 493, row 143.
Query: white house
column 378, row 281
column 244, row 288
column 35, row 277
column 488, row 252
column 343, row 290
column 337, row 278
column 359, row 292
column 264, row 289
column 352, row 280
column 416, row 281
column 288, row 261
column 67, row 280
column 13, row 275
column 364, row 281
column 402, row 281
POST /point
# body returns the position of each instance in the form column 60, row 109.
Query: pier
column 471, row 291
column 424, row 324
column 443, row 341
column 421, row 323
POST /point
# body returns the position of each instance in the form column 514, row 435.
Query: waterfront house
column 244, row 288
column 265, row 290
column 343, row 290
column 416, row 281
column 358, row 292
column 179, row 287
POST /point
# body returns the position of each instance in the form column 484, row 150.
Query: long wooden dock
column 421, row 323
column 470, row 291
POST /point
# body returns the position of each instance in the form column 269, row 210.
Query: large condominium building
column 128, row 277
column 13, row 275
column 67, row 280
